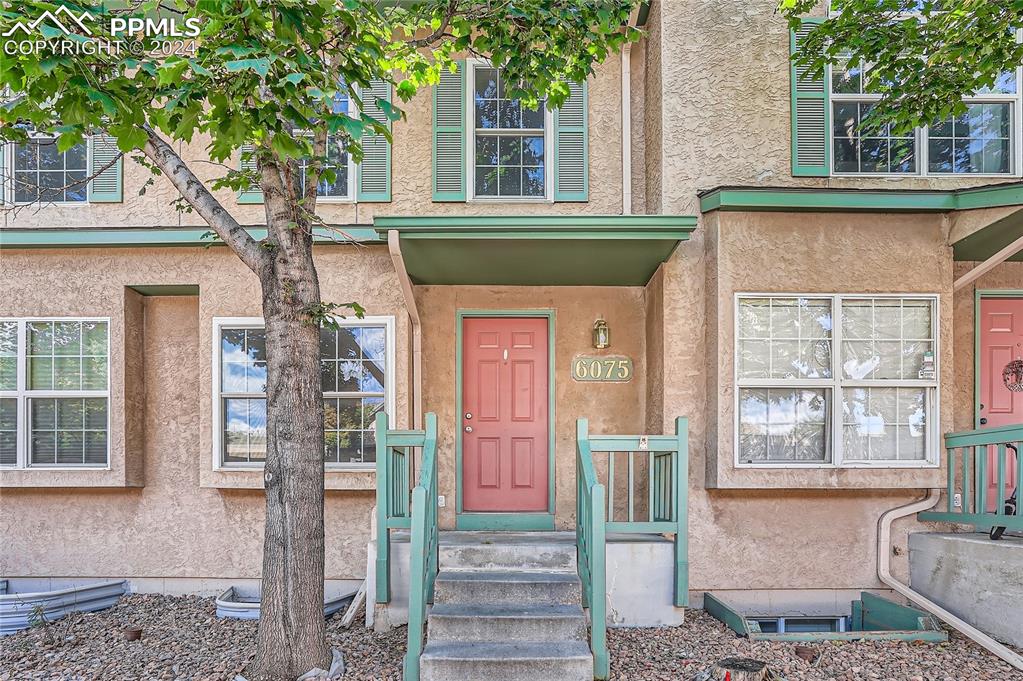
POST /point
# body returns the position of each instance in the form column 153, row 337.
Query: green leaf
column 260, row 66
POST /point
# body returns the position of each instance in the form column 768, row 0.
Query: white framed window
column 343, row 187
column 39, row 172
column 836, row 380
column 509, row 153
column 984, row 141
column 54, row 393
column 357, row 375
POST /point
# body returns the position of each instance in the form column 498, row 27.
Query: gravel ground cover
column 682, row 653
column 183, row 640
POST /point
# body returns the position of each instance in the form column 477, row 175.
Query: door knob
column 468, row 429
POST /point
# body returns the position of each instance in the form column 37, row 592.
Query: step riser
column 502, row 670
column 504, row 629
column 496, row 593
column 508, row 557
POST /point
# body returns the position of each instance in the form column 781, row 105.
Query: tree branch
column 196, row 193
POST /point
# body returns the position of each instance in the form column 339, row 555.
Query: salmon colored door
column 505, row 414
column 1001, row 341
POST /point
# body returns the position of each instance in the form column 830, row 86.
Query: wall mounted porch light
column 601, row 334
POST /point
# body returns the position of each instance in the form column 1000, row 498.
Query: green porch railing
column 971, row 471
column 425, row 559
column 590, row 549
column 665, row 461
column 396, row 464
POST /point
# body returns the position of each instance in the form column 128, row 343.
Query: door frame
column 978, row 295
column 504, row 521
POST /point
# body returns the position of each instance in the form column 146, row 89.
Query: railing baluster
column 967, row 481
column 610, row 486
column 650, row 486
column 1000, row 494
column 632, row 500
column 950, row 467
column 981, row 454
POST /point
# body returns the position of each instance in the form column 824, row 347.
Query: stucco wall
column 610, row 407
column 171, row 528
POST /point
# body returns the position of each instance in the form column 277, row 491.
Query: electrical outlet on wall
column 957, row 500
column 441, row 501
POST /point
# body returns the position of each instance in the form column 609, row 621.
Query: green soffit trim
column 153, row 236
column 860, row 200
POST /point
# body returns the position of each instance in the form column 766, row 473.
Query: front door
column 1001, row 341
column 505, row 414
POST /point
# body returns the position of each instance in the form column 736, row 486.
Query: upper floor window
column 356, row 370
column 509, row 141
column 836, row 380
column 983, row 140
column 54, row 392
column 338, row 160
column 43, row 173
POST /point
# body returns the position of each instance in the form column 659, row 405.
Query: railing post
column 680, row 512
column 383, row 562
column 598, row 598
column 417, row 589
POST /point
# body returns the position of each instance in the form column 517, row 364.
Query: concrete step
column 477, row 552
column 507, row 587
column 528, row 661
column 471, row 623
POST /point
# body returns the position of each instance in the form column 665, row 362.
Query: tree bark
column 292, row 631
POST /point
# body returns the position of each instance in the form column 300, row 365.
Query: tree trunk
column 739, row 669
column 292, row 632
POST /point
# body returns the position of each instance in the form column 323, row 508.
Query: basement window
column 781, row 625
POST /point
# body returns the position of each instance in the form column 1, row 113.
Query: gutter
column 884, row 573
column 394, row 247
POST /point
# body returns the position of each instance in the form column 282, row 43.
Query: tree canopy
column 922, row 56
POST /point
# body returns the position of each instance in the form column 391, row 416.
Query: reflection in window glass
column 884, row 423
column 68, row 431
column 886, row 338
column 42, row 173
column 784, row 338
column 244, row 430
column 864, row 147
column 783, row 425
column 8, row 355
column 67, row 355
column 8, row 431
column 977, row 141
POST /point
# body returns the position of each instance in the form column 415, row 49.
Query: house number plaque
column 602, row 369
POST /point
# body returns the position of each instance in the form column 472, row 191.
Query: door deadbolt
column 468, row 415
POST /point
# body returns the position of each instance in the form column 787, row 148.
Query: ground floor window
column 356, row 373
column 836, row 380
column 54, row 392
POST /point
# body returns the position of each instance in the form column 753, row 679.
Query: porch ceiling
column 536, row 250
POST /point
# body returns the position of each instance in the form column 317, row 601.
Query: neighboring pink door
column 505, row 414
column 1001, row 341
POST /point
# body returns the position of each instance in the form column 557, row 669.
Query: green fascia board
column 540, row 226
column 990, row 239
column 148, row 237
column 860, row 200
column 167, row 289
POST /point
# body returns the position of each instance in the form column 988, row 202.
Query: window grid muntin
column 365, row 431
column 921, row 133
column 38, row 140
column 837, row 383
column 23, row 394
column 385, row 324
column 545, row 133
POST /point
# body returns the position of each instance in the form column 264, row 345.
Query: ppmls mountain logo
column 63, row 20
column 64, row 31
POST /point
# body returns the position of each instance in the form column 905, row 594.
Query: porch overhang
column 536, row 250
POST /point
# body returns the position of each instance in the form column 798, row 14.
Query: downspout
column 884, row 540
column 394, row 246
column 627, row 129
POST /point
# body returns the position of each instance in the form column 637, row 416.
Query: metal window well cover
column 241, row 604
column 16, row 609
column 873, row 619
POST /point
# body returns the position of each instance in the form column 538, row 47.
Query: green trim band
column 860, row 200
column 154, row 236
column 537, row 224
column 512, row 522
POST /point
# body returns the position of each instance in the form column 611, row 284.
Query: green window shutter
column 107, row 186
column 253, row 194
column 571, row 147
column 374, row 173
column 811, row 114
column 449, row 130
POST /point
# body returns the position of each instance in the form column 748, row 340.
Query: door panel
column 1001, row 341
column 505, row 389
